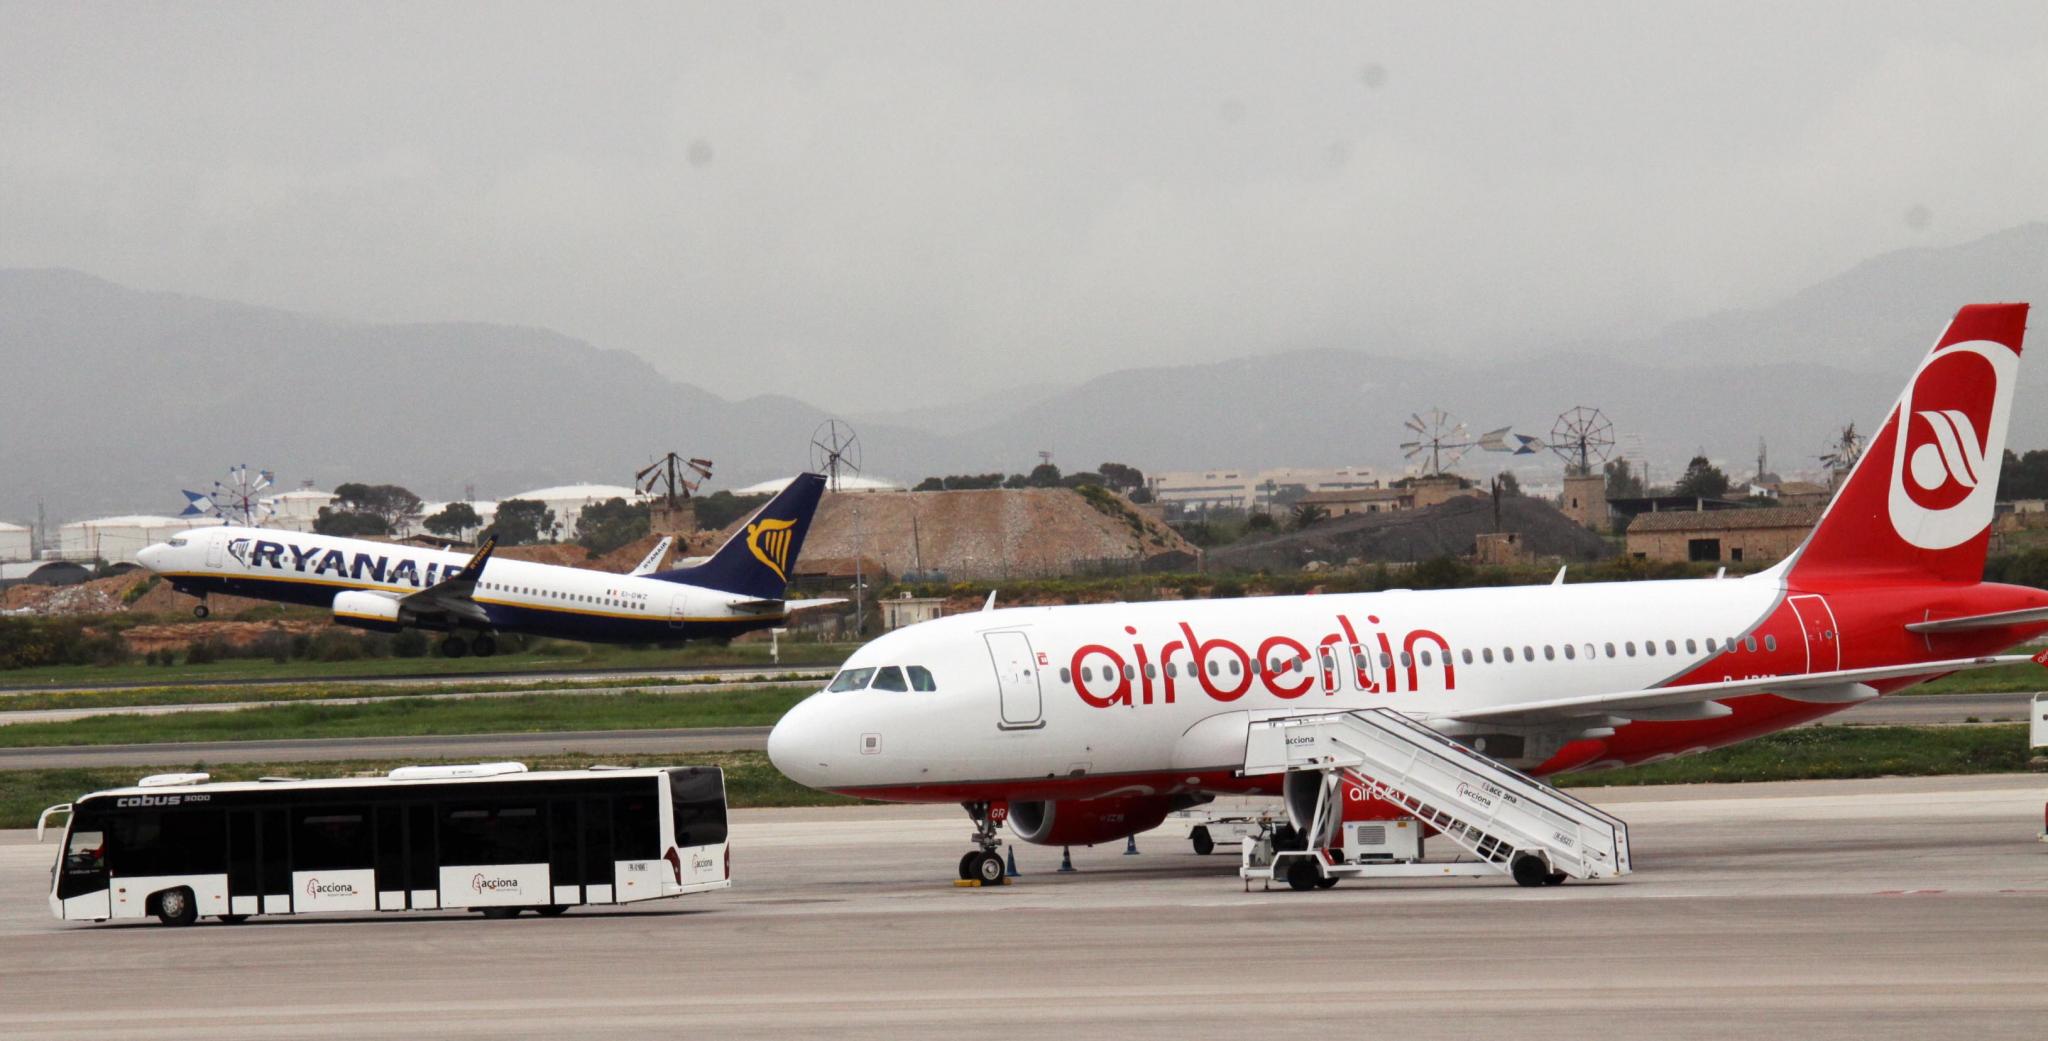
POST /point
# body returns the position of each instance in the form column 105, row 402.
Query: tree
column 2024, row 476
column 368, row 509
column 605, row 526
column 1126, row 479
column 522, row 521
column 1076, row 480
column 1509, row 485
column 719, row 509
column 1259, row 521
column 454, row 520
column 1306, row 513
column 1622, row 483
column 1702, row 480
column 1044, row 475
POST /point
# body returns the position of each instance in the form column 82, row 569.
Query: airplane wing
column 453, row 596
column 1701, row 700
column 651, row 563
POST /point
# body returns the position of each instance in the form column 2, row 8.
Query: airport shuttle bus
column 489, row 837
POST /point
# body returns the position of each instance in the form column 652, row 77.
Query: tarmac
column 1892, row 908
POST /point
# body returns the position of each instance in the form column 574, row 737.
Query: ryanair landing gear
column 454, row 646
column 484, row 645
column 200, row 610
column 985, row 863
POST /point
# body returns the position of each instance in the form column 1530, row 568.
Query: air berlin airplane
column 1085, row 724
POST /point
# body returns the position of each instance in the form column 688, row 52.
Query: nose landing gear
column 984, row 864
column 200, row 610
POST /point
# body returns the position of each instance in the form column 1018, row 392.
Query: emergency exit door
column 1023, row 705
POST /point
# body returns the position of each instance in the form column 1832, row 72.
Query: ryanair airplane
column 386, row 587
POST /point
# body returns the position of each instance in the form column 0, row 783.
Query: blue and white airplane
column 386, row 587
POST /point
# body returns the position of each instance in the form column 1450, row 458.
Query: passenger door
column 216, row 549
column 1023, row 705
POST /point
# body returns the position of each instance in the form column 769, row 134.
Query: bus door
column 422, row 858
column 245, row 863
column 565, row 851
column 390, row 862
column 596, row 821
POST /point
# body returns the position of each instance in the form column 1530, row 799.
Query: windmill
column 236, row 500
column 1842, row 451
column 1439, row 441
column 669, row 473
column 835, row 449
column 1581, row 437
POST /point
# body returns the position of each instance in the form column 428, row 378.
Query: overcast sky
column 867, row 205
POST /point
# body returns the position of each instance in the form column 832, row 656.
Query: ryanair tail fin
column 1919, row 503
column 757, row 560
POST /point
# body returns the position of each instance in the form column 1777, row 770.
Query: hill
column 1446, row 529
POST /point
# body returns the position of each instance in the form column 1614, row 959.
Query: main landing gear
column 983, row 864
column 200, row 610
column 456, row 645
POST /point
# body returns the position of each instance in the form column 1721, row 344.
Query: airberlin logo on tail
column 769, row 540
column 1944, row 476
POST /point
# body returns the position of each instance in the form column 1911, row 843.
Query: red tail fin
column 1918, row 504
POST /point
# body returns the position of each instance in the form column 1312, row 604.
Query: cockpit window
column 850, row 679
column 178, row 541
column 921, row 679
column 890, row 678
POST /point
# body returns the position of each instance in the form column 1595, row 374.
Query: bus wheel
column 551, row 910
column 484, row 646
column 501, row 912
column 232, row 919
column 175, row 907
column 454, row 647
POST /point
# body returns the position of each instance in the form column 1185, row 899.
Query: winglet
column 2041, row 659
column 652, row 561
column 990, row 604
column 1559, row 580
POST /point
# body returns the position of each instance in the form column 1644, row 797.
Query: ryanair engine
column 367, row 611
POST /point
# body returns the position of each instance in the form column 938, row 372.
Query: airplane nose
column 150, row 556
column 795, row 746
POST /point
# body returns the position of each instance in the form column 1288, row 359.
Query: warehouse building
column 1720, row 536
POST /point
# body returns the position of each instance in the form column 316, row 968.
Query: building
column 846, row 483
column 1585, row 500
column 43, row 573
column 1361, row 500
column 117, row 539
column 910, row 610
column 1720, row 536
column 296, row 510
column 568, row 502
column 16, row 542
column 1795, row 493
column 1198, row 491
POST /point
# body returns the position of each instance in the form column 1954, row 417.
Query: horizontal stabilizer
column 1995, row 620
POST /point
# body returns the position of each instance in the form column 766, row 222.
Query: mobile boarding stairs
column 1505, row 821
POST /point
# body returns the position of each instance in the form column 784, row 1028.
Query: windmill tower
column 673, row 512
column 1584, row 437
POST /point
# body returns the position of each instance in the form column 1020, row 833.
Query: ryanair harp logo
column 769, row 540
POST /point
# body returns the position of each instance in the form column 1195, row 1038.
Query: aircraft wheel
column 454, row 647
column 967, row 864
column 1302, row 875
column 201, row 610
column 1530, row 870
column 988, row 868
column 484, row 645
column 1204, row 843
column 176, row 907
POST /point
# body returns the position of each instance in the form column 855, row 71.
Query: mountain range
column 122, row 396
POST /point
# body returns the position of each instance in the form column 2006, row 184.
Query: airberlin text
column 1367, row 659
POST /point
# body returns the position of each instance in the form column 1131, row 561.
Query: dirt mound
column 143, row 639
column 1447, row 529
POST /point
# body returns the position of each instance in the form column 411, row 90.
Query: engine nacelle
column 367, row 611
column 1085, row 822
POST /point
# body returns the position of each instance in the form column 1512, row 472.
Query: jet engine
column 1085, row 822
column 367, row 611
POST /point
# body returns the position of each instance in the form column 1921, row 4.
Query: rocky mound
column 1447, row 529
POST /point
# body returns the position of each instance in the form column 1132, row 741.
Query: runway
column 1913, row 711
column 1898, row 908
column 733, row 673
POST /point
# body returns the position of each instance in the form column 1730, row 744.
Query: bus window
column 85, row 862
column 636, row 831
column 890, row 678
column 921, row 679
column 474, row 834
column 699, row 797
column 850, row 679
column 330, row 839
column 183, row 842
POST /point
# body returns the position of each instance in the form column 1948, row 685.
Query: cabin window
column 1589, row 653
column 1568, row 655
column 1172, row 671
column 1507, row 654
column 850, row 679
column 1749, row 644
column 1549, row 653
column 1610, row 650
column 1465, row 655
column 1215, row 667
column 1233, row 666
column 1130, row 673
column 1487, row 653
column 1650, row 648
column 1066, row 676
column 1630, row 647
column 1386, row 660
column 1406, row 660
column 921, row 679
column 1425, row 658
column 1691, row 647
column 1528, row 653
column 1151, row 671
column 1087, row 674
column 1770, row 643
column 890, row 678
column 1670, row 647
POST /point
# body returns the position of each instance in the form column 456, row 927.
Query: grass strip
column 749, row 779
column 111, row 699
column 416, row 716
column 1813, row 753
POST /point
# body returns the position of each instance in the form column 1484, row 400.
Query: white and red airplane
column 1090, row 723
